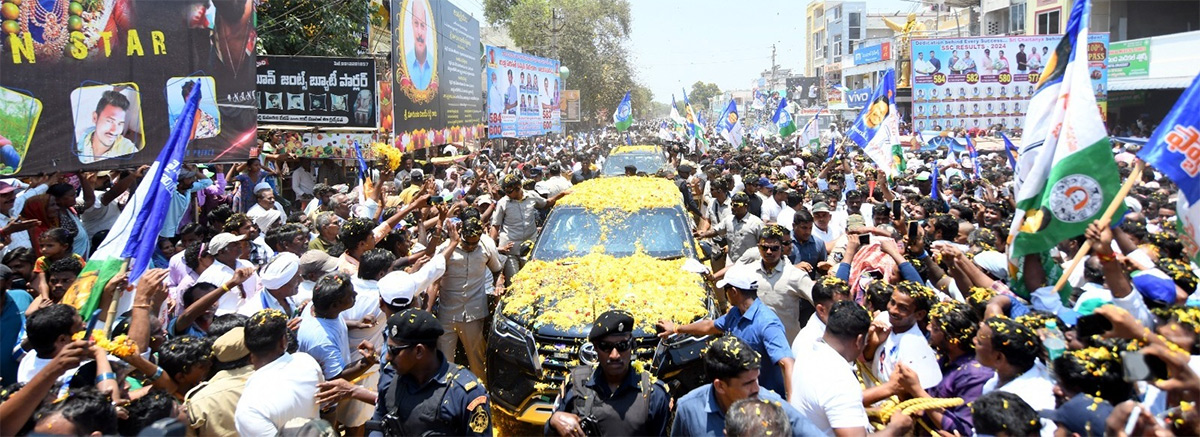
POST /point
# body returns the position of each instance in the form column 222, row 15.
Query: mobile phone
column 913, row 230
column 896, row 212
column 455, row 220
column 1142, row 367
column 437, row 200
column 1092, row 324
column 92, row 322
column 864, row 239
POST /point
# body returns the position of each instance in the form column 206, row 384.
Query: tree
column 591, row 40
column 309, row 28
column 702, row 94
column 642, row 99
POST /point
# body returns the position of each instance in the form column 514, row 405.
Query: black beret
column 611, row 322
column 414, row 326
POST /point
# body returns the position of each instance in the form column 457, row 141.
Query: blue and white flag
column 152, row 213
column 1174, row 148
column 1009, row 149
column 974, row 156
column 623, row 116
column 877, row 129
column 730, row 125
column 832, row 149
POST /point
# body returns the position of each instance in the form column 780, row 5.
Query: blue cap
column 1154, row 285
column 1082, row 414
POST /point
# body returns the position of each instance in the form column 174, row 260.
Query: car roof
column 643, row 148
column 627, row 193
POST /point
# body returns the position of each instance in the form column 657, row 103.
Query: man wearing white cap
column 226, row 249
column 266, row 212
column 280, row 281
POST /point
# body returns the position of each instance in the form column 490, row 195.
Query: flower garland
column 574, row 291
column 121, row 345
column 628, row 194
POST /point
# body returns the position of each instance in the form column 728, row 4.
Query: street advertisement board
column 524, row 96
column 96, row 85
column 317, row 91
column 873, row 53
column 436, row 94
column 1129, row 58
column 987, row 81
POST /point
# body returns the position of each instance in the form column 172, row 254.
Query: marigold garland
column 121, row 345
column 578, row 289
column 629, row 194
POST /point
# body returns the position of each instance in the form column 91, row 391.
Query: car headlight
column 506, row 328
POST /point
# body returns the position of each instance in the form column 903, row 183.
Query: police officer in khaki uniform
column 210, row 405
column 430, row 395
column 611, row 398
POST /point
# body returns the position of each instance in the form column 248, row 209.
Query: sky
column 678, row 42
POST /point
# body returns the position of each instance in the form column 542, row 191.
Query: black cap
column 611, row 322
column 5, row 272
column 414, row 326
column 686, row 168
column 741, row 198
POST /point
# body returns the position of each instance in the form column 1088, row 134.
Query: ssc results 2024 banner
column 988, row 81
column 314, row 91
column 436, row 91
column 523, row 94
column 94, row 85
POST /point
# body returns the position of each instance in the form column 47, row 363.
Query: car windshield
column 647, row 162
column 568, row 232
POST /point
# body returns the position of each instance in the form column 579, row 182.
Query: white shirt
column 30, row 365
column 218, row 274
column 770, row 208
column 911, row 348
column 551, row 187
column 278, row 392
column 1034, row 387
column 266, row 218
column 825, row 390
column 20, row 239
column 366, row 304
column 786, row 216
column 811, row 332
column 302, row 182
column 832, row 234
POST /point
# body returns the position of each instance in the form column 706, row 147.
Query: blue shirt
column 761, row 329
column 179, row 206
column 421, row 74
column 12, row 325
column 811, row 251
column 326, row 340
column 192, row 330
column 698, row 414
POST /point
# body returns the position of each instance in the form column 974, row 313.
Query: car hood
column 563, row 298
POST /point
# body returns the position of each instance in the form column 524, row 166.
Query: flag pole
column 116, row 299
column 1134, row 176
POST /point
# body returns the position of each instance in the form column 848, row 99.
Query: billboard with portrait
column 97, row 85
column 524, row 95
column 331, row 91
column 987, row 81
column 436, row 92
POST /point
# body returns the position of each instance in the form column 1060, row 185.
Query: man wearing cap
column 609, row 397
column 770, row 207
column 266, row 212
column 430, row 395
column 752, row 321
column 211, row 404
column 283, row 385
column 822, row 226
column 226, row 249
column 313, row 265
column 741, row 229
column 733, row 367
column 416, row 179
column 681, row 180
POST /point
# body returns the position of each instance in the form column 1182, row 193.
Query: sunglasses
column 393, row 351
column 770, row 247
column 620, row 346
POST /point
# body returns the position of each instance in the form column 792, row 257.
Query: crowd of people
column 852, row 303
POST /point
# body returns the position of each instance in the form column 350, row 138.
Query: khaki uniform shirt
column 210, row 406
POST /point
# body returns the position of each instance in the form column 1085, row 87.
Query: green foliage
column 591, row 40
column 311, row 28
column 702, row 94
column 642, row 99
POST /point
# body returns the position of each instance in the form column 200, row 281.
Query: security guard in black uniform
column 430, row 395
column 611, row 398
